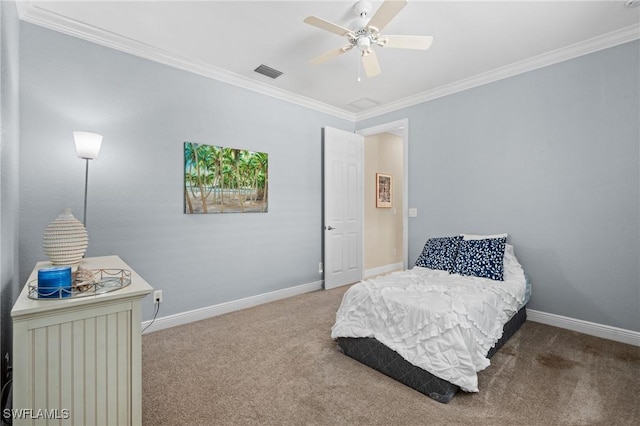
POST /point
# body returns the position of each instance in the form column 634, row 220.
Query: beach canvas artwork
column 224, row 180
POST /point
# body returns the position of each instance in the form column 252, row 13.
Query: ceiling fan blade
column 326, row 25
column 385, row 13
column 406, row 42
column 330, row 54
column 370, row 63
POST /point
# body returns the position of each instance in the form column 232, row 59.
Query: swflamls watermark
column 36, row 413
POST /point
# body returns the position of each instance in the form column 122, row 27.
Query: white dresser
column 77, row 361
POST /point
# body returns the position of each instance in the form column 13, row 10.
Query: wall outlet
column 320, row 268
column 157, row 296
column 394, row 252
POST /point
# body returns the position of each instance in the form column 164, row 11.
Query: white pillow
column 512, row 267
column 482, row 237
column 509, row 255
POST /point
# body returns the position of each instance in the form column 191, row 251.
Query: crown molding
column 30, row 12
column 605, row 41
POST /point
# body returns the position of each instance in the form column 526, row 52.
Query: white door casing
column 343, row 219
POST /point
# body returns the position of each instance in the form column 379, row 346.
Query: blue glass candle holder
column 54, row 283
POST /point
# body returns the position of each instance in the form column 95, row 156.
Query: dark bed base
column 374, row 354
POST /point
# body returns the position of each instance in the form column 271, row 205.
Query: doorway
column 386, row 232
column 344, row 248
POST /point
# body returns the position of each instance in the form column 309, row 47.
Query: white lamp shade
column 87, row 144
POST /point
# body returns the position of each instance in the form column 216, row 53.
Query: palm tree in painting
column 252, row 170
column 248, row 169
column 190, row 176
column 193, row 159
column 215, row 168
column 226, row 173
column 262, row 178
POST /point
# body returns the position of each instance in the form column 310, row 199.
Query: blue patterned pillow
column 481, row 258
column 439, row 253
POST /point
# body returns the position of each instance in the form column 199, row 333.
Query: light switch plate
column 413, row 212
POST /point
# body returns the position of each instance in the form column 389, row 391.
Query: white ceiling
column 474, row 42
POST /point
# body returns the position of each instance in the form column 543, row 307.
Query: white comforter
column 443, row 323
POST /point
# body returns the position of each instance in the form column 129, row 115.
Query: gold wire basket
column 85, row 282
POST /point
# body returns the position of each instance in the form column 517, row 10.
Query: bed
column 435, row 326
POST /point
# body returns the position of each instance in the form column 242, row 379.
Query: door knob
column 329, row 228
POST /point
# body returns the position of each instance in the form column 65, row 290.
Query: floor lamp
column 88, row 148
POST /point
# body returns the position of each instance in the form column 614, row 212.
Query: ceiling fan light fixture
column 373, row 30
column 363, row 43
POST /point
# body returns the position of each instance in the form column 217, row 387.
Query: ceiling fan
column 368, row 34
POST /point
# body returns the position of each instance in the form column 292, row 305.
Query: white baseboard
column 382, row 270
column 223, row 308
column 591, row 328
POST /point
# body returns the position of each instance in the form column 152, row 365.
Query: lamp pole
column 86, row 185
column 87, row 148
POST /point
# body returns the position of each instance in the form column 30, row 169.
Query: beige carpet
column 276, row 364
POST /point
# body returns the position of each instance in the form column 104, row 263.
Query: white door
column 343, row 219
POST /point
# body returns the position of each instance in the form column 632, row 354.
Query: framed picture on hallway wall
column 383, row 190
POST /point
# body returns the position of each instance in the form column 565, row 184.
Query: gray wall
column 145, row 112
column 9, row 147
column 551, row 157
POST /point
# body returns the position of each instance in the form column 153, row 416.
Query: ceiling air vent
column 268, row 71
column 363, row 103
